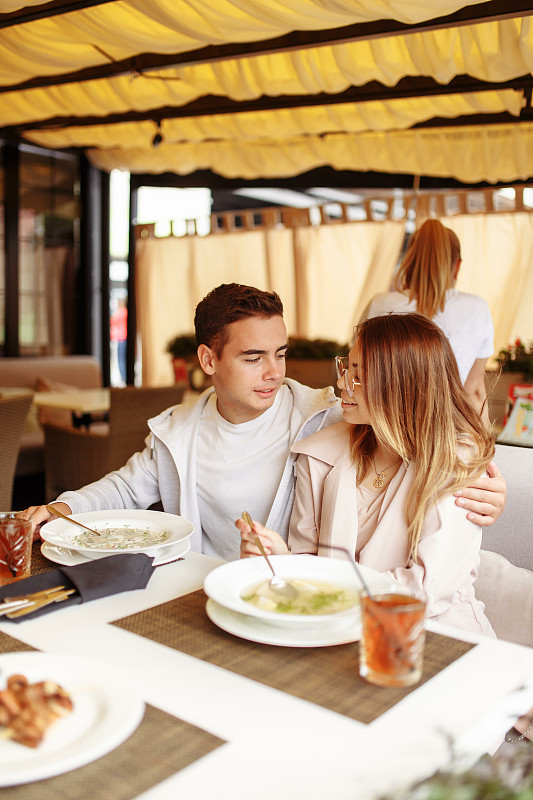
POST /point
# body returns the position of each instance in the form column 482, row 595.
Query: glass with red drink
column 15, row 547
column 392, row 644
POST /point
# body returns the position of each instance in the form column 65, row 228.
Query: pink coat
column 325, row 512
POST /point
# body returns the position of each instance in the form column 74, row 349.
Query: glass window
column 48, row 251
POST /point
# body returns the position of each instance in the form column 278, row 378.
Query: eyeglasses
column 342, row 367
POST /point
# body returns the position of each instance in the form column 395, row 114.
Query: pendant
column 379, row 482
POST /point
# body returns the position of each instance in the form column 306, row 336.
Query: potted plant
column 517, row 357
column 311, row 361
column 508, row 775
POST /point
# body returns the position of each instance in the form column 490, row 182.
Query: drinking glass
column 391, row 650
column 15, row 547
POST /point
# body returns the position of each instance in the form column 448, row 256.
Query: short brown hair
column 231, row 302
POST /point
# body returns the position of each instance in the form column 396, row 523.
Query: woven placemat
column 160, row 747
column 39, row 563
column 327, row 676
column 10, row 645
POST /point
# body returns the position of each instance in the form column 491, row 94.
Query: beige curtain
column 324, row 275
column 173, row 274
column 164, row 302
column 497, row 252
column 338, row 269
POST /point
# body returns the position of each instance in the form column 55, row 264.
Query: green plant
column 517, row 357
column 312, row 349
column 500, row 777
column 182, row 345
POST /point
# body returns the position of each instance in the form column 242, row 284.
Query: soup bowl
column 61, row 533
column 228, row 584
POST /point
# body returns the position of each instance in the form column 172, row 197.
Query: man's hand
column 37, row 515
column 485, row 498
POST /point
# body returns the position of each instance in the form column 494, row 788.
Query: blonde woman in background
column 425, row 284
column 380, row 483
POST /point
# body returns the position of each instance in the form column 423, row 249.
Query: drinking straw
column 354, row 564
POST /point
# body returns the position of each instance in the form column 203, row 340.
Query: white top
column 232, row 462
column 466, row 321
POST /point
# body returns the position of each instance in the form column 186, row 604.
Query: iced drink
column 392, row 644
column 15, row 548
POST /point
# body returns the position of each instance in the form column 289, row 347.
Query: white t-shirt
column 466, row 321
column 239, row 468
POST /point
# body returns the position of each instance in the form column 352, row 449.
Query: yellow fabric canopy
column 364, row 134
column 286, row 123
column 472, row 154
column 124, row 28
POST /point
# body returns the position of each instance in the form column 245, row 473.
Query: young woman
column 425, row 283
column 380, row 483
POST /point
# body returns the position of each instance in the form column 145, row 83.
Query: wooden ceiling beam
column 494, row 10
column 503, row 118
column 46, row 10
column 215, row 106
column 320, row 176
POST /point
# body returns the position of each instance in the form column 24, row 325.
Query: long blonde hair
column 418, row 409
column 427, row 271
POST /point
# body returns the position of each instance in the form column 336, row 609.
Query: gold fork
column 13, row 603
column 52, row 597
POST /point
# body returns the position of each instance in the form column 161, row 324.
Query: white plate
column 341, row 631
column 69, row 558
column 226, row 583
column 62, row 534
column 107, row 709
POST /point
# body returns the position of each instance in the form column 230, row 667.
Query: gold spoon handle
column 57, row 513
column 247, row 518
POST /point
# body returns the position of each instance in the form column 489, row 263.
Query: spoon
column 57, row 513
column 276, row 583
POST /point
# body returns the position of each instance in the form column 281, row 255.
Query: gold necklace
column 379, row 481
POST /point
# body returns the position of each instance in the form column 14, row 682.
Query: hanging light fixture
column 158, row 136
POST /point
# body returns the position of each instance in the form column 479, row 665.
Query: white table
column 81, row 402
column 298, row 749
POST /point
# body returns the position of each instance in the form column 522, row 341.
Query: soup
column 314, row 597
column 123, row 538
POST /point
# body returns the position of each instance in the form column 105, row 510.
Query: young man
column 229, row 451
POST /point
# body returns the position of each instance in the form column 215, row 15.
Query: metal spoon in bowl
column 277, row 584
column 57, row 513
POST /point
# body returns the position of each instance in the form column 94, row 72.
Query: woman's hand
column 271, row 541
column 37, row 515
column 485, row 498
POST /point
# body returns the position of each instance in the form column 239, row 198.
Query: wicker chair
column 75, row 457
column 13, row 414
